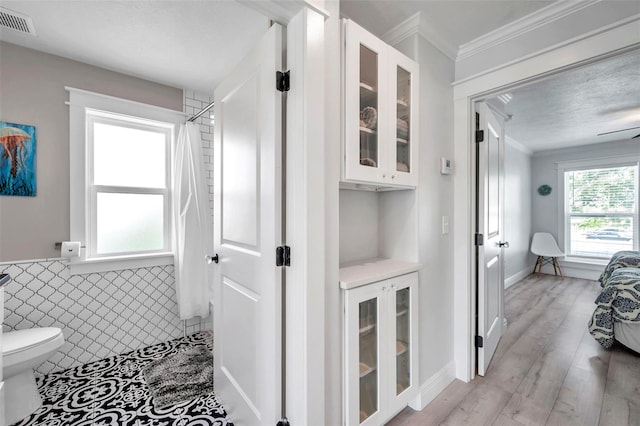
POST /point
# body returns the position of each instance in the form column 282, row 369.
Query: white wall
column 542, row 35
column 435, row 199
column 517, row 210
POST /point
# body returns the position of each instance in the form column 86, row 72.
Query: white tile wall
column 194, row 102
column 100, row 314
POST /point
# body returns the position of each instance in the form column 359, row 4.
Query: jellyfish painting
column 17, row 159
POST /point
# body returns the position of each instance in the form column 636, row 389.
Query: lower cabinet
column 381, row 349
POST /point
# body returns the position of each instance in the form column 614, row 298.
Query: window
column 120, row 162
column 601, row 209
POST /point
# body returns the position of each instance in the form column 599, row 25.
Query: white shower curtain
column 193, row 225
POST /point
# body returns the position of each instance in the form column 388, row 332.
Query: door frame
column 613, row 40
column 304, row 177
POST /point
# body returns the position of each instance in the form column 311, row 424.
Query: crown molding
column 517, row 145
column 416, row 25
column 530, row 22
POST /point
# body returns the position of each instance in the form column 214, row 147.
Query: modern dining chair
column 545, row 247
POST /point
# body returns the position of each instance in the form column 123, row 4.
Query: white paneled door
column 247, row 230
column 490, row 244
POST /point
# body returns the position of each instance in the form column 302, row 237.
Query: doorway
column 549, row 63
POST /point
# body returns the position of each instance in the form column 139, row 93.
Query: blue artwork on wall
column 17, row 159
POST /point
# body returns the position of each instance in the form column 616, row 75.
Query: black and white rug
column 113, row 392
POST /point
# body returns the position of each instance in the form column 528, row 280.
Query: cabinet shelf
column 367, row 328
column 361, row 272
column 367, row 130
column 402, row 103
column 366, row 369
column 402, row 141
column 367, row 87
column 401, row 348
column 402, row 312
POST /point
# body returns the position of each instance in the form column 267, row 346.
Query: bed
column 617, row 313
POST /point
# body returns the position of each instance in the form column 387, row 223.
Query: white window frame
column 563, row 204
column 84, row 107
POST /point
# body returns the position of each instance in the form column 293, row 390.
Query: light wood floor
column 547, row 368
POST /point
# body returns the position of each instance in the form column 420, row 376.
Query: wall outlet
column 445, row 225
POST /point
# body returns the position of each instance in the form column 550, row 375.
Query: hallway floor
column 547, row 370
column 113, row 391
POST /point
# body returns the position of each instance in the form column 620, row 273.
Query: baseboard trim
column 434, row 386
column 517, row 276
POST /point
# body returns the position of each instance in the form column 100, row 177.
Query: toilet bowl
column 22, row 352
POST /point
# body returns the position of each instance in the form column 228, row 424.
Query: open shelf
column 361, row 272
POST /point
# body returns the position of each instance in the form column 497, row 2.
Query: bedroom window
column 601, row 209
column 120, row 174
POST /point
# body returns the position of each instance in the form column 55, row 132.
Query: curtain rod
column 205, row 109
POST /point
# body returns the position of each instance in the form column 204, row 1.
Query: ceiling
column 185, row 44
column 572, row 108
column 455, row 22
column 193, row 44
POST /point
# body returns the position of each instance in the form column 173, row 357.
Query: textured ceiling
column 184, row 44
column 573, row 107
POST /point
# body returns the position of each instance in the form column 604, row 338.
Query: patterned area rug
column 182, row 376
column 113, row 392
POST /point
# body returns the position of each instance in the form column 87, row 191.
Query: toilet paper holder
column 58, row 245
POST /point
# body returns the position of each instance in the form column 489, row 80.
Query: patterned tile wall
column 101, row 315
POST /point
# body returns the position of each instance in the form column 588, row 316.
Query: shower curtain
column 192, row 224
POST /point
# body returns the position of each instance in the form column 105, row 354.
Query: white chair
column 545, row 247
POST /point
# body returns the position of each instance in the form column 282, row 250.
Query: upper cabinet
column 381, row 111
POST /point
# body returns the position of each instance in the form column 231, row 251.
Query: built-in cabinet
column 380, row 349
column 378, row 229
column 381, row 103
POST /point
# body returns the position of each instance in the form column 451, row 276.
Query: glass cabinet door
column 369, row 112
column 369, row 363
column 403, row 120
column 403, row 340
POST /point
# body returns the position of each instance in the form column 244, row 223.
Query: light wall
column 32, row 86
column 435, row 199
column 545, row 210
column 517, row 211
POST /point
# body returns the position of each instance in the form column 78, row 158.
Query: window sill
column 586, row 261
column 106, row 264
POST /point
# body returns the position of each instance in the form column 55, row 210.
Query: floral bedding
column 619, row 300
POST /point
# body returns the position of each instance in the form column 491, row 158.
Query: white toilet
column 22, row 351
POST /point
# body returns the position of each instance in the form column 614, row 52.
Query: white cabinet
column 381, row 347
column 381, row 105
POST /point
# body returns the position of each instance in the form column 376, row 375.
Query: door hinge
column 283, row 422
column 479, row 133
column 283, row 256
column 479, row 240
column 282, row 81
column 479, row 342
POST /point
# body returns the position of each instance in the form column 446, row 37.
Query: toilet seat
column 20, row 344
